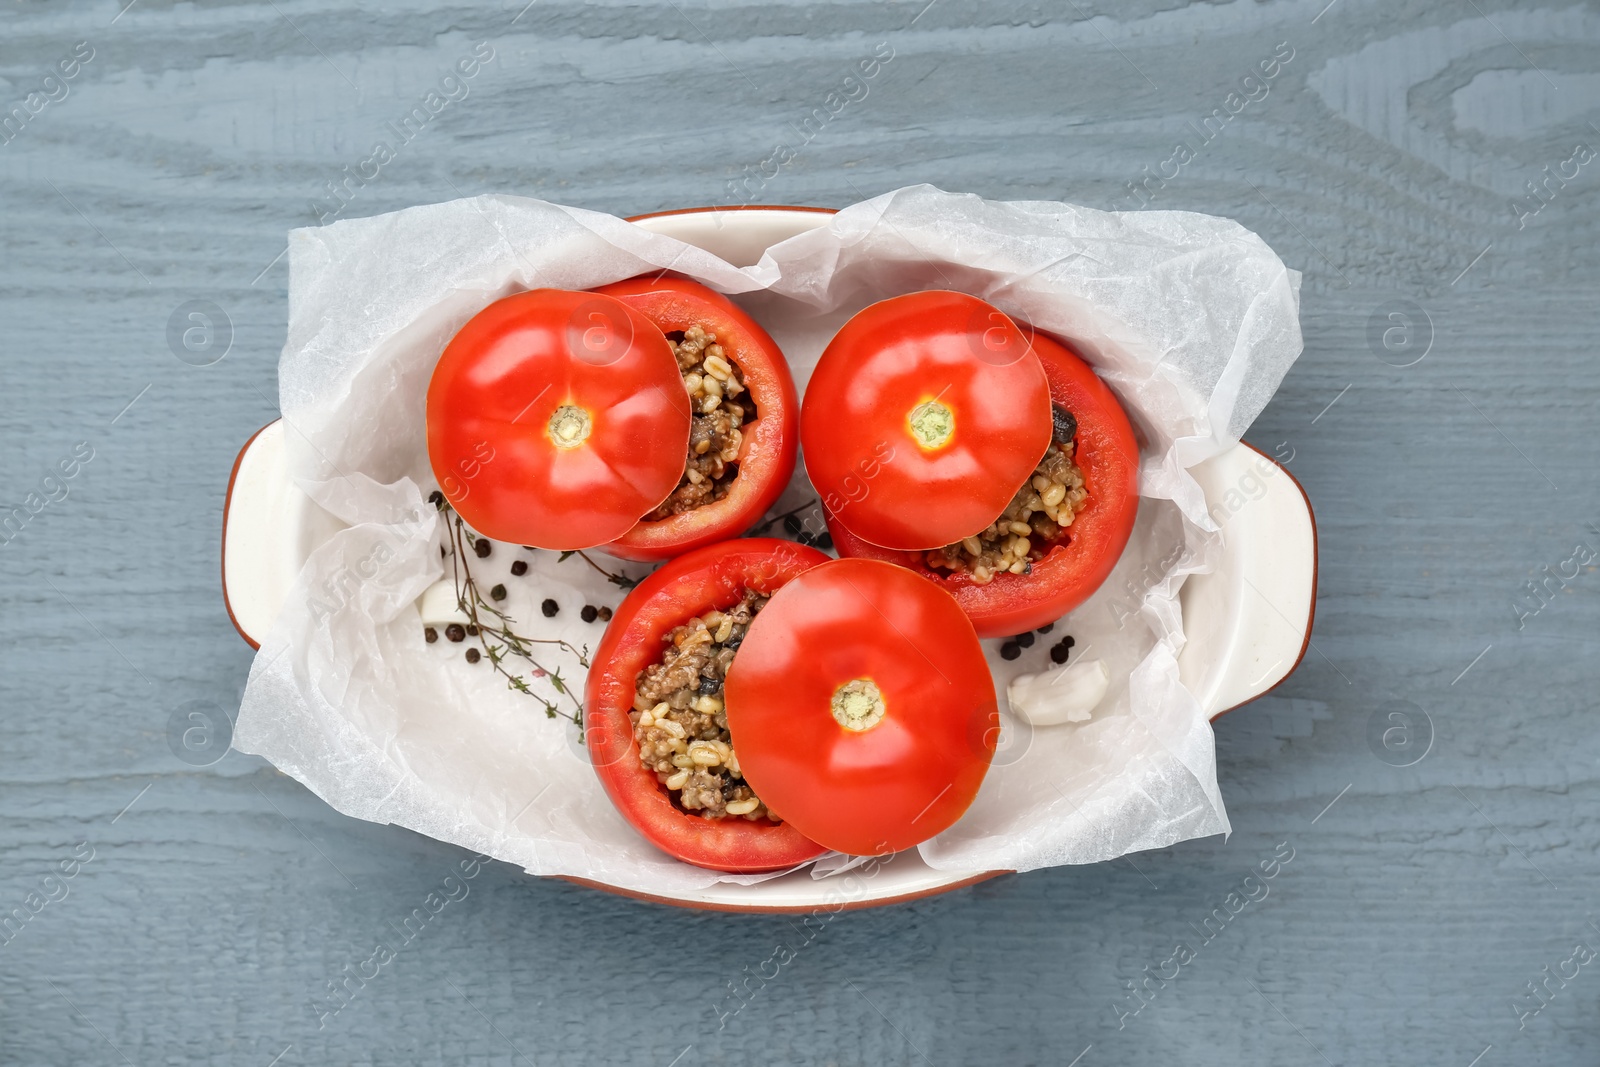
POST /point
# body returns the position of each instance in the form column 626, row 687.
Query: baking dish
column 1248, row 621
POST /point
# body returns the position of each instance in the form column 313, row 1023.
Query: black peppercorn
column 472, row 629
column 1065, row 427
column 792, row 524
column 519, row 568
column 497, row 593
column 1025, row 640
column 429, row 634
column 1010, row 650
column 605, row 614
column 549, row 607
column 825, row 541
column 589, row 613
column 1046, row 628
column 482, row 547
column 455, row 632
column 1059, row 653
column 473, row 655
column 436, row 498
column 1068, row 642
column 805, row 537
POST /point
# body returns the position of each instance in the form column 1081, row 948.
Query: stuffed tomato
column 648, row 417
column 1064, row 524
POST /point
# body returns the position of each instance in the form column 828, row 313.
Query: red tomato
column 924, row 415
column 711, row 577
column 555, row 419
column 766, row 457
column 1074, row 567
column 862, row 706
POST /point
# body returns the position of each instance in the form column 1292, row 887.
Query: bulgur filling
column 1034, row 522
column 679, row 721
column 715, row 432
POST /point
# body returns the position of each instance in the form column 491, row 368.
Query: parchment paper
column 1191, row 319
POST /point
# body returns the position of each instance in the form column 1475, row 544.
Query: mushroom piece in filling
column 715, row 434
column 1033, row 523
column 679, row 721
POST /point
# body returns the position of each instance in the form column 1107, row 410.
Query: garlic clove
column 438, row 605
column 1069, row 693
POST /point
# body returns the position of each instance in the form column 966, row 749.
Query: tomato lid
column 557, row 419
column 926, row 413
column 861, row 707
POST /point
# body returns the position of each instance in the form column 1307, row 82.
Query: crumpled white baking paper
column 1191, row 319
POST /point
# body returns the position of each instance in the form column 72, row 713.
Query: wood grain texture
column 1387, row 160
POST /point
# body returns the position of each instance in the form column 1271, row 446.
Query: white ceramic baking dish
column 1249, row 621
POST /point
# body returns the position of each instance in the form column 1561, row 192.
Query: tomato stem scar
column 570, row 426
column 932, row 424
column 858, row 705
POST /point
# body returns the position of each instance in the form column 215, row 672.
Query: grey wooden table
column 1431, row 768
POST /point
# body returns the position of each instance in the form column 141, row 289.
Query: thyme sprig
column 622, row 581
column 495, row 633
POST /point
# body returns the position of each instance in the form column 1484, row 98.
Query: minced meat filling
column 679, row 721
column 1034, row 522
column 715, row 431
